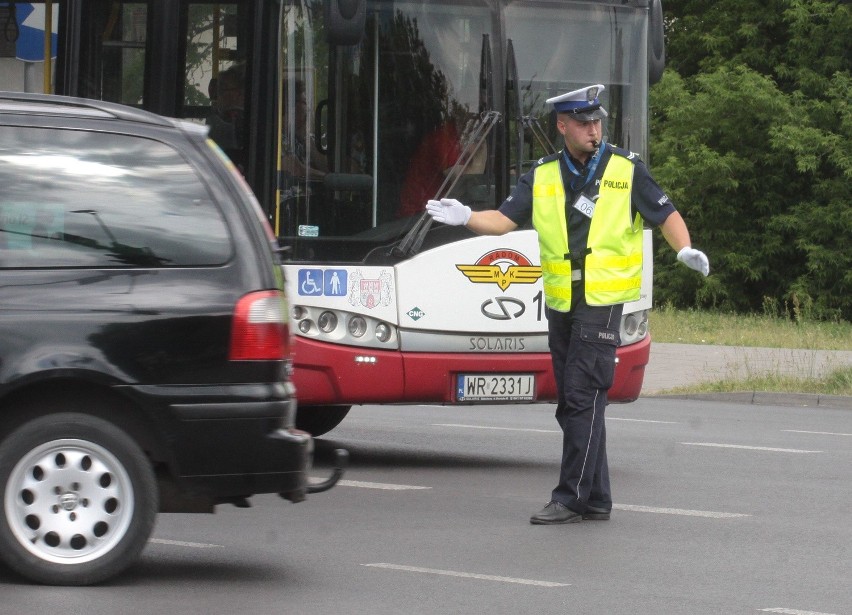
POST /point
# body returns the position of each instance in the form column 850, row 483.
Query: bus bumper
column 326, row 374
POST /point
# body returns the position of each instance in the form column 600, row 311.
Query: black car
column 144, row 336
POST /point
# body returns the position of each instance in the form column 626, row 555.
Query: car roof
column 24, row 103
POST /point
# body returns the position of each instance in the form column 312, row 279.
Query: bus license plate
column 495, row 387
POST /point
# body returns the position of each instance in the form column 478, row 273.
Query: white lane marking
column 612, row 418
column 468, row 575
column 609, row 418
column 181, row 543
column 368, row 485
column 821, row 433
column 495, row 428
column 750, row 448
column 793, row 612
column 679, row 511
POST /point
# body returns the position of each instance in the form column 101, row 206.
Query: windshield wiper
column 537, row 132
column 479, row 131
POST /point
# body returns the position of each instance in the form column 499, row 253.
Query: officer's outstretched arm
column 454, row 213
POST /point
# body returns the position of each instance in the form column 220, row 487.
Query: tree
column 751, row 125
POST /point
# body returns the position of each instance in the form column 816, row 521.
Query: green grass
column 837, row 382
column 721, row 329
column 713, row 328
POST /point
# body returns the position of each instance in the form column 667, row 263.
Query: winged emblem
column 514, row 274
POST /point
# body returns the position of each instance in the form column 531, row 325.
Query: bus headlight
column 357, row 326
column 383, row 332
column 634, row 327
column 327, row 322
column 331, row 326
column 631, row 324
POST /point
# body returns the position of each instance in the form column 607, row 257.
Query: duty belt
column 577, row 263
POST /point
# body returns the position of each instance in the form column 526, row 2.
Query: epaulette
column 624, row 153
column 548, row 158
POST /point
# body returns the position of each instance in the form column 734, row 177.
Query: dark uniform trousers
column 582, row 345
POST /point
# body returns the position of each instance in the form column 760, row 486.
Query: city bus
column 344, row 117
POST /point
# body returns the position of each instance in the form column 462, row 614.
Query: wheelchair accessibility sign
column 319, row 282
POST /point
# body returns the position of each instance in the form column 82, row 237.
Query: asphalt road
column 720, row 508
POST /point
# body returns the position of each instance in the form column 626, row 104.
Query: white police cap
column 583, row 104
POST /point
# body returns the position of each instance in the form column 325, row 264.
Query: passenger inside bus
column 437, row 153
column 436, row 157
column 227, row 113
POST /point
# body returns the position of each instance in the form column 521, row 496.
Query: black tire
column 79, row 500
column 318, row 420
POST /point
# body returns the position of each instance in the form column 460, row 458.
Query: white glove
column 448, row 211
column 694, row 259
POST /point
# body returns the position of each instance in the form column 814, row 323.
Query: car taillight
column 260, row 329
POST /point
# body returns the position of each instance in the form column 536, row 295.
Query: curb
column 764, row 398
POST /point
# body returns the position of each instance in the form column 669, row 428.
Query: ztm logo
column 503, row 268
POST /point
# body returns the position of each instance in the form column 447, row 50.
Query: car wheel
column 79, row 500
column 317, row 420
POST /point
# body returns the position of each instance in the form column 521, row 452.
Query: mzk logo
column 503, row 268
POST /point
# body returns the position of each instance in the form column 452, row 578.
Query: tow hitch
column 341, row 457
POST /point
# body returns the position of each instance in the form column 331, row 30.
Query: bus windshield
column 373, row 129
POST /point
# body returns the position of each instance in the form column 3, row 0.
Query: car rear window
column 77, row 198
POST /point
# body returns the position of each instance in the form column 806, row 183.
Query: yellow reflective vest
column 612, row 269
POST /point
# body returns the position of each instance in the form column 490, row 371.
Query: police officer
column 587, row 204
